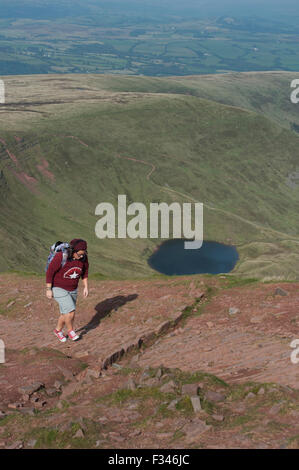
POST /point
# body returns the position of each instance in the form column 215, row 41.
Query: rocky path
column 115, row 318
column 178, row 362
column 243, row 334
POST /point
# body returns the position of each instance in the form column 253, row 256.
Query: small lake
column 212, row 258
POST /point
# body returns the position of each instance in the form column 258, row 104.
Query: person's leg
column 60, row 295
column 60, row 323
column 69, row 324
column 71, row 315
column 72, row 318
column 69, row 320
column 67, row 304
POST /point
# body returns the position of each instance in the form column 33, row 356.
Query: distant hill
column 69, row 142
column 267, row 93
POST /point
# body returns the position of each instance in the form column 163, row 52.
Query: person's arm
column 52, row 269
column 85, row 286
column 49, row 292
column 85, row 278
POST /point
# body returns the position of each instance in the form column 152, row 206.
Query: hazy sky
column 207, row 8
column 213, row 6
column 274, row 9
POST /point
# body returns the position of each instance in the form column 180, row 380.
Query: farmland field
column 90, row 39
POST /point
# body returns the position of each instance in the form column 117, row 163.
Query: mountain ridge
column 187, row 139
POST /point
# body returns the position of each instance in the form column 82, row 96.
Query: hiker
column 62, row 278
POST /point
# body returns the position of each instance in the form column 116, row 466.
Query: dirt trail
column 140, row 161
column 252, row 344
column 115, row 316
column 187, row 196
column 122, row 384
column 119, row 316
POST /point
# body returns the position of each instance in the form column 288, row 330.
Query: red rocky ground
column 252, row 344
column 123, row 384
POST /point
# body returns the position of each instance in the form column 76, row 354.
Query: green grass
column 123, row 395
column 28, row 274
column 51, row 438
column 185, row 406
column 239, row 392
column 238, row 282
column 178, row 434
column 209, row 380
column 235, row 161
column 293, row 442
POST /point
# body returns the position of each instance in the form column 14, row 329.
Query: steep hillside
column 267, row 93
column 71, row 142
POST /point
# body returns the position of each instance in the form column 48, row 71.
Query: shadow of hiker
column 104, row 309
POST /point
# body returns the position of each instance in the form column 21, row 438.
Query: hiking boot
column 60, row 336
column 72, row 335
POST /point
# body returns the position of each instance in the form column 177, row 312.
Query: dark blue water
column 212, row 258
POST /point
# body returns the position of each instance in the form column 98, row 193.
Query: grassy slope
column 264, row 92
column 234, row 161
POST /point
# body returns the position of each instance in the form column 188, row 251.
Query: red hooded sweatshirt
column 66, row 277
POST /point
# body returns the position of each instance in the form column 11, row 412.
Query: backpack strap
column 64, row 258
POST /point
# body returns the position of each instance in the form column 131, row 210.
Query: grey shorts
column 65, row 299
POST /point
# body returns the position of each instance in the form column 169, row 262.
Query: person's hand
column 49, row 294
column 85, row 291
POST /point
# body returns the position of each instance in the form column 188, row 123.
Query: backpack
column 55, row 248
